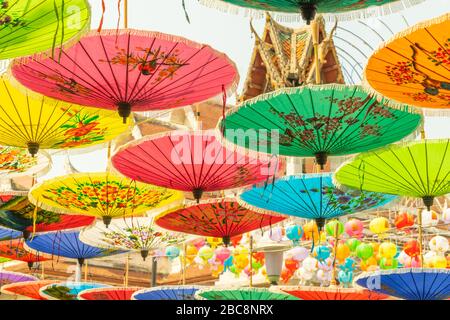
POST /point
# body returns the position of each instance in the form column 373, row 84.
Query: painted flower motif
column 441, row 56
column 15, row 160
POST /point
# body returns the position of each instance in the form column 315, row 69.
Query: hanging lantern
column 379, row 226
column 412, row 248
column 404, row 220
column 354, row 228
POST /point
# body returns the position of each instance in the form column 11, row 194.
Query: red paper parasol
column 191, row 161
column 130, row 70
column 330, row 293
column 218, row 218
column 115, row 293
column 29, row 289
column 14, row 250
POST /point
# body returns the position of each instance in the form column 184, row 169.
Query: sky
column 230, row 33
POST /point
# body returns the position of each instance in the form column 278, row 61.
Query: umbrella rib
column 179, row 158
column 440, row 168
column 330, row 108
column 119, row 91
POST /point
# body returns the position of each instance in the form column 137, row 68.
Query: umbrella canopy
column 241, row 294
column 67, row 245
column 317, row 121
column 218, row 218
column 130, row 70
column 137, row 234
column 14, row 250
column 29, row 120
column 67, row 290
column 409, row 284
column 167, row 293
column 8, row 234
column 16, row 162
column 102, row 195
column 312, row 196
column 34, row 26
column 309, row 8
column 191, row 161
column 414, row 66
column 417, row 169
column 29, row 289
column 16, row 212
column 7, row 277
column 113, row 293
column 330, row 293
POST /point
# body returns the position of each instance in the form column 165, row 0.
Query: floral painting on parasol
column 330, row 293
column 34, row 26
column 414, row 66
column 16, row 162
column 417, row 169
column 312, row 196
column 130, row 70
column 317, row 121
column 67, row 290
column 218, row 218
column 192, row 161
column 102, row 195
column 137, row 234
column 14, row 250
column 29, row 120
column 17, row 213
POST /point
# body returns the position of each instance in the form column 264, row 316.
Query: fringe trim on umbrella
column 94, row 290
column 66, row 45
column 395, row 146
column 6, row 289
column 371, row 12
column 162, row 288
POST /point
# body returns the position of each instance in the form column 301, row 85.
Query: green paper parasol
column 35, row 26
column 317, row 121
column 418, row 169
column 241, row 294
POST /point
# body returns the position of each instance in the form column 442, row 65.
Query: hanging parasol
column 8, row 277
column 417, row 169
column 15, row 162
column 186, row 292
column 18, row 214
column 191, row 161
column 317, row 121
column 350, row 9
column 409, row 284
column 219, row 218
column 68, row 245
column 101, row 195
column 34, row 26
column 8, row 234
column 67, row 290
column 14, row 250
column 130, row 70
column 241, row 294
column 113, row 293
column 414, row 66
column 32, row 121
column 29, row 289
column 312, row 196
column 330, row 293
column 136, row 234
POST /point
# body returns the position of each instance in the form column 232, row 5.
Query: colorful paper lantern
column 354, row 228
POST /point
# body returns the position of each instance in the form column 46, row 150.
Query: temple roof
column 284, row 57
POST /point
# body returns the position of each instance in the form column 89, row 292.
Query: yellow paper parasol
column 414, row 66
column 29, row 120
column 102, row 195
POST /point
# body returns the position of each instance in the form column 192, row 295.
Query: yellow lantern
column 387, row 250
column 213, row 242
column 438, row 262
column 241, row 261
column 342, row 252
column 369, row 265
column 191, row 253
column 311, row 231
column 379, row 226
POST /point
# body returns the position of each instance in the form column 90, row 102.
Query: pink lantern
column 223, row 254
column 198, row 243
column 354, row 228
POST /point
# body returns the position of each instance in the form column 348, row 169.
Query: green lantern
column 353, row 244
column 34, row 26
column 317, row 121
column 330, row 228
column 364, row 251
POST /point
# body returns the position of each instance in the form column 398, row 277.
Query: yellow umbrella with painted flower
column 414, row 66
column 102, row 195
column 29, row 120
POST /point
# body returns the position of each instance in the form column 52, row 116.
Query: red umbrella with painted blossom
column 193, row 162
column 130, row 70
column 14, row 250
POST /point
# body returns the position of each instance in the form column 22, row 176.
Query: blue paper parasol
column 167, row 293
column 8, row 234
column 312, row 196
column 409, row 284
